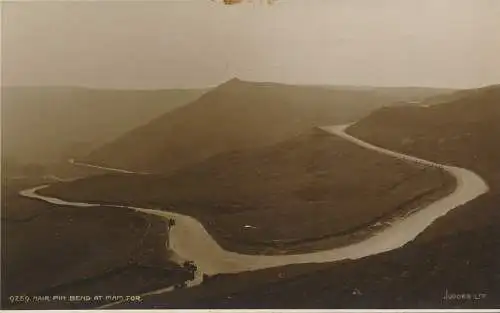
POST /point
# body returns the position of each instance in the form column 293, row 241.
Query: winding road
column 190, row 240
column 110, row 169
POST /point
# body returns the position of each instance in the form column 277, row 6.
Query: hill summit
column 237, row 115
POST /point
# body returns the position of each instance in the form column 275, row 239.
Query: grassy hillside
column 456, row 132
column 42, row 124
column 54, row 250
column 458, row 254
column 323, row 190
column 418, row 276
column 461, row 132
column 236, row 115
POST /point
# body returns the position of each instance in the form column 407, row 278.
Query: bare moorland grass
column 311, row 192
column 57, row 250
column 241, row 115
column 458, row 254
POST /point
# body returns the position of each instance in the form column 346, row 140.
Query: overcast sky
column 197, row 43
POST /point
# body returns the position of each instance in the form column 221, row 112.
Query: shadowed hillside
column 57, row 250
column 236, row 115
column 42, row 124
column 313, row 191
column 457, row 255
column 462, row 131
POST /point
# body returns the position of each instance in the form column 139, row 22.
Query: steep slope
column 123, row 254
column 50, row 123
column 437, row 275
column 236, row 115
column 323, row 190
column 462, row 131
column 454, row 264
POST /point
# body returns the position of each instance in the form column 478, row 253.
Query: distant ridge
column 50, row 123
column 236, row 115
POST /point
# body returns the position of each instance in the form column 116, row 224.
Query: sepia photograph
column 250, row 154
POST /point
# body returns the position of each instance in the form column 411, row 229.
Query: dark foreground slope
column 236, row 115
column 453, row 264
column 456, row 271
column 314, row 191
column 52, row 123
column 51, row 250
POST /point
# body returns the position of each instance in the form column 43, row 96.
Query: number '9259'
column 15, row 299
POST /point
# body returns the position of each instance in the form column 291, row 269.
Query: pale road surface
column 190, row 240
column 110, row 169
